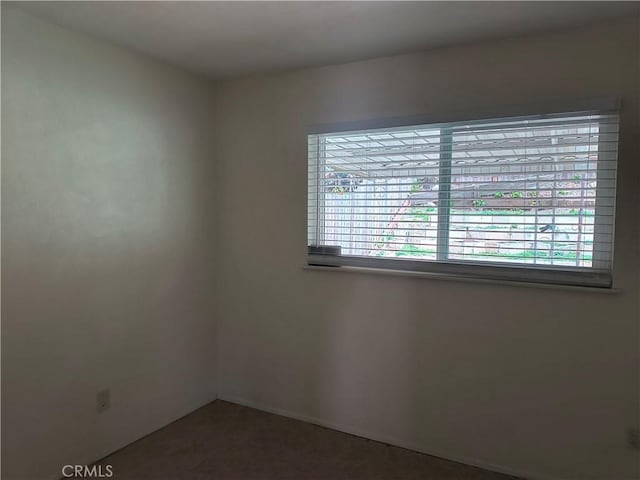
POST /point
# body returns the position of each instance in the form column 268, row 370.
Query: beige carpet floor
column 230, row 442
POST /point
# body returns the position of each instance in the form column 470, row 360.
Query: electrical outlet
column 103, row 401
column 633, row 438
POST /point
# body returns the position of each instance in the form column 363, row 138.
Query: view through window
column 537, row 191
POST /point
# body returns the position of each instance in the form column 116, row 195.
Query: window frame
column 600, row 274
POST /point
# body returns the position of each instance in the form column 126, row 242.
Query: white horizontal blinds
column 525, row 192
column 534, row 192
column 360, row 198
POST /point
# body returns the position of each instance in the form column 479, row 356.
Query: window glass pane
column 525, row 194
column 379, row 193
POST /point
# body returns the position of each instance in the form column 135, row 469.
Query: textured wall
column 522, row 379
column 107, row 236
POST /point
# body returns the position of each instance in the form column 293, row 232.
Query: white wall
column 522, row 379
column 107, row 217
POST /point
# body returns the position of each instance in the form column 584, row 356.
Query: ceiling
column 231, row 39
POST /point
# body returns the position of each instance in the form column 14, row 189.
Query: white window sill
column 457, row 278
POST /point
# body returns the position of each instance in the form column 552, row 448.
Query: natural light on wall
column 527, row 198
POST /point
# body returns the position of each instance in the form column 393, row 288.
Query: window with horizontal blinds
column 526, row 198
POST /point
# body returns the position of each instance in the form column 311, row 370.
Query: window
column 523, row 198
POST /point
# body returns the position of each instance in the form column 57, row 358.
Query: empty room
column 305, row 240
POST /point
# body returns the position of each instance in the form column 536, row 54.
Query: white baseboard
column 391, row 441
